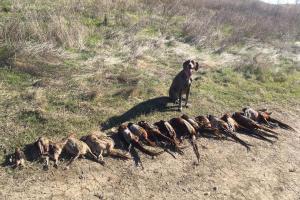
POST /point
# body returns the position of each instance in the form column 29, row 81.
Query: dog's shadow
column 158, row 104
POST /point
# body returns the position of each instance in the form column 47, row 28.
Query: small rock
column 99, row 196
column 206, row 193
column 292, row 170
column 214, row 188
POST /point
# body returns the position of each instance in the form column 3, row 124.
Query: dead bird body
column 263, row 116
column 166, row 129
column 223, row 127
column 235, row 127
column 249, row 123
column 141, row 133
column 206, row 129
column 185, row 129
column 133, row 140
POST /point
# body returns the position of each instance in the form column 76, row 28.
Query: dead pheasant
column 133, row 140
column 184, row 129
column 262, row 116
column 155, row 133
column 203, row 122
column 235, row 127
column 141, row 133
column 191, row 121
column 249, row 123
column 224, row 128
column 166, row 129
column 205, row 127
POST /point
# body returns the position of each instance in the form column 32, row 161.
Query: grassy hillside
column 74, row 66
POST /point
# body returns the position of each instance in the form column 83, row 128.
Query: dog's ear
column 196, row 66
column 185, row 64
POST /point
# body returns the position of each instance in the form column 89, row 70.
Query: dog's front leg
column 180, row 101
column 187, row 96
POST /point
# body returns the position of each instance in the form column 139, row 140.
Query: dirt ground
column 226, row 171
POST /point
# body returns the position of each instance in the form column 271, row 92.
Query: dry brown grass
column 50, row 27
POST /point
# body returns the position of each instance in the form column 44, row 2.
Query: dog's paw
column 188, row 105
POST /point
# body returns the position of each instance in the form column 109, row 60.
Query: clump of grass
column 31, row 116
column 227, row 87
column 14, row 78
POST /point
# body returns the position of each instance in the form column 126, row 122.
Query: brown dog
column 182, row 83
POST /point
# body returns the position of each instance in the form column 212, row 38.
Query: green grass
column 230, row 88
column 68, row 107
column 13, row 78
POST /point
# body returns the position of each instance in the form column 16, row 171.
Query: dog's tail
column 146, row 151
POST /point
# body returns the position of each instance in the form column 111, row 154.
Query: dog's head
column 189, row 66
